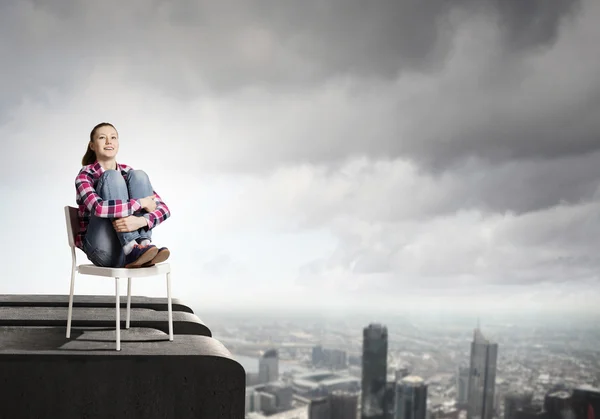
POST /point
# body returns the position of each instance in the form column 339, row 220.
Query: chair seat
column 90, row 269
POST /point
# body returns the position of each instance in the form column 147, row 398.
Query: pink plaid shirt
column 90, row 203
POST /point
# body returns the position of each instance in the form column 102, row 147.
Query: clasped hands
column 133, row 222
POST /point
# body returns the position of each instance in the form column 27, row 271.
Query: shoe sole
column 145, row 258
column 160, row 257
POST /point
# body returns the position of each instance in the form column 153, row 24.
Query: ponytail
column 89, row 157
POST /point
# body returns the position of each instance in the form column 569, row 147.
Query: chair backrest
column 72, row 224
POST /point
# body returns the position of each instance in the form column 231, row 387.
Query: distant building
column 338, row 405
column 252, row 400
column 558, row 405
column 482, row 377
column 401, row 373
column 318, row 355
column 514, row 402
column 389, row 399
column 374, row 371
column 344, row 405
column 335, row 359
column 318, row 384
column 268, row 367
column 586, row 402
column 462, row 386
column 411, row 398
column 283, row 394
column 320, row 409
column 270, row 398
column 268, row 402
column 444, row 412
column 531, row 412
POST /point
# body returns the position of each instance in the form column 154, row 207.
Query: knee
column 138, row 179
column 112, row 176
column 138, row 176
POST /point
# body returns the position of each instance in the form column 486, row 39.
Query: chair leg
column 118, row 314
column 70, row 312
column 128, row 303
column 169, row 306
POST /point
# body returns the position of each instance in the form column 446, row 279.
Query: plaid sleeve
column 160, row 214
column 86, row 194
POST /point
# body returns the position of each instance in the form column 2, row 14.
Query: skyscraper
column 514, row 402
column 338, row 405
column 411, row 398
column 586, row 402
column 268, row 367
column 320, row 409
column 318, row 355
column 389, row 399
column 374, row 372
column 558, row 404
column 482, row 377
column 462, row 385
column 343, row 405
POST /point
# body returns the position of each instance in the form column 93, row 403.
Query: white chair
column 90, row 269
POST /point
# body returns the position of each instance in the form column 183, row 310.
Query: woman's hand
column 148, row 203
column 128, row 224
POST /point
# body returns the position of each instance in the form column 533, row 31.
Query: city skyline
column 535, row 374
column 337, row 155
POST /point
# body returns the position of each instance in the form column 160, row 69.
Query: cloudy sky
column 389, row 154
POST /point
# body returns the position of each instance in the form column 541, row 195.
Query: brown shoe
column 162, row 255
column 140, row 255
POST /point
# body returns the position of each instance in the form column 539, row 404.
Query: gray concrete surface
column 44, row 375
column 183, row 323
column 100, row 301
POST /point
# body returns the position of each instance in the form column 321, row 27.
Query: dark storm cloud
column 544, row 131
column 523, row 186
column 352, row 37
column 516, row 187
column 533, row 23
column 509, row 109
column 50, row 43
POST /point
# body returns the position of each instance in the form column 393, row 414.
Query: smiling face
column 105, row 143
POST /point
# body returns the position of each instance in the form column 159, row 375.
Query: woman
column 118, row 208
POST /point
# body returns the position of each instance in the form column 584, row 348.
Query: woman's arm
column 115, row 208
column 160, row 214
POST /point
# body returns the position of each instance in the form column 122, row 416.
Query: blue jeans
column 102, row 244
